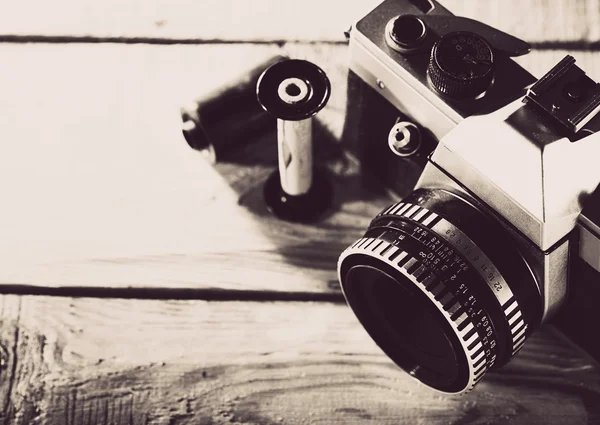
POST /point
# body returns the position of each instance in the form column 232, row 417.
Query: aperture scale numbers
column 450, row 271
column 451, row 268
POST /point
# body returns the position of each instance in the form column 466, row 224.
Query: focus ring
column 476, row 258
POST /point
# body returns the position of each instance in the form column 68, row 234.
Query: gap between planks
column 570, row 45
column 537, row 20
column 165, row 293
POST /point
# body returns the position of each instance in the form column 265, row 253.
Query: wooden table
column 141, row 289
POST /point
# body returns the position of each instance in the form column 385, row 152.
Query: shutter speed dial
column 461, row 66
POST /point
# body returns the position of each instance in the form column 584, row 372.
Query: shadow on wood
column 309, row 246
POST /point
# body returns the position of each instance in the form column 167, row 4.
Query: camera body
column 472, row 125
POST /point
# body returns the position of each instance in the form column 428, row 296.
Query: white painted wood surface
column 532, row 20
column 98, row 187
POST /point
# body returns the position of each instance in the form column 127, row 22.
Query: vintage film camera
column 500, row 232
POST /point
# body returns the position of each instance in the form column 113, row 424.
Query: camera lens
column 439, row 287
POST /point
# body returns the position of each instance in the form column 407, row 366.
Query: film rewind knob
column 294, row 91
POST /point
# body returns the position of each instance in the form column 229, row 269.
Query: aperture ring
column 476, row 257
column 464, row 326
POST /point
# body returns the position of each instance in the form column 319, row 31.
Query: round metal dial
column 461, row 65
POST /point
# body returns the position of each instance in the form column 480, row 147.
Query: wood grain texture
column 88, row 361
column 264, row 20
column 99, row 189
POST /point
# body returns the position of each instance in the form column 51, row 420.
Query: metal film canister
column 294, row 91
column 228, row 116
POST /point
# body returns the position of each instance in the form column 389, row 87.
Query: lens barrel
column 441, row 289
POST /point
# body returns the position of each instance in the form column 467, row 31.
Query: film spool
column 224, row 119
column 294, row 91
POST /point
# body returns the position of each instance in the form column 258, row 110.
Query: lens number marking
column 477, row 258
column 451, row 269
column 472, row 253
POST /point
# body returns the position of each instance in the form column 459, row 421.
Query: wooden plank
column 136, row 362
column 536, row 21
column 540, row 62
column 94, row 168
column 9, row 356
column 99, row 189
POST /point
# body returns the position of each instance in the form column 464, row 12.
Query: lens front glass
column 404, row 324
column 408, row 30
